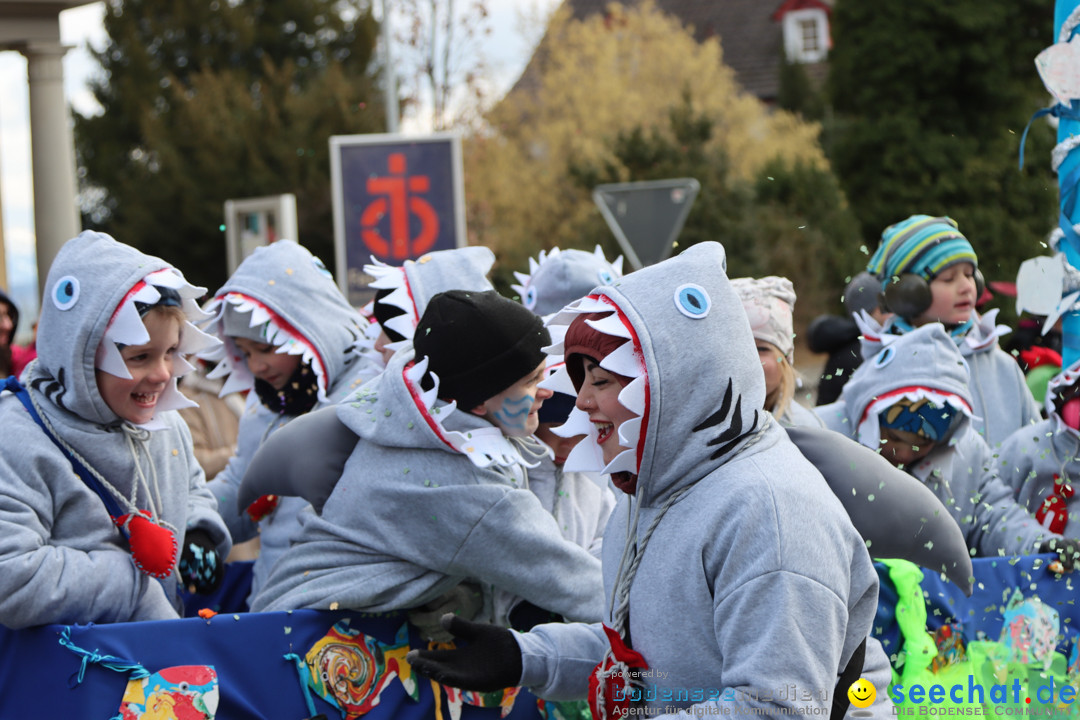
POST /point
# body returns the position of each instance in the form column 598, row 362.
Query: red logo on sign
column 399, row 201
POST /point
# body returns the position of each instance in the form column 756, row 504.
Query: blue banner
column 281, row 665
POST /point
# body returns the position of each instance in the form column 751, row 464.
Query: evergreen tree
column 790, row 220
column 206, row 101
column 931, row 99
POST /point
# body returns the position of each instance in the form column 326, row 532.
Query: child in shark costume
column 1041, row 463
column 950, row 457
column 283, row 299
column 922, row 262
column 434, row 491
column 63, row 559
column 719, row 592
column 403, row 291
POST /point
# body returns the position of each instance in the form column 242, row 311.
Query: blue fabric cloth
column 247, row 651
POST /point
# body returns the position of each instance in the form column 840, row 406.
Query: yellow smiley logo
column 862, row 693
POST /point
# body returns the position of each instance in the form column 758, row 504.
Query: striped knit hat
column 922, row 245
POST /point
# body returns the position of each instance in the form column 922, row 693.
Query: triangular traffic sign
column 647, row 216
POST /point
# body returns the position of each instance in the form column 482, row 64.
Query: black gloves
column 464, row 600
column 490, row 661
column 201, row 566
column 525, row 616
column 1067, row 549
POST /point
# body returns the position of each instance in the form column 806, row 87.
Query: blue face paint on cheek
column 514, row 413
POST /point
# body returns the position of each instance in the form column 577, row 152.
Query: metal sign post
column 646, row 217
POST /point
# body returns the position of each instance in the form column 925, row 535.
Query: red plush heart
column 153, row 548
column 611, row 679
column 262, row 507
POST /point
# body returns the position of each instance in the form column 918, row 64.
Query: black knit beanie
column 478, row 344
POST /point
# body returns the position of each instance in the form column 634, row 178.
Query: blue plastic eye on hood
column 692, row 301
column 66, row 292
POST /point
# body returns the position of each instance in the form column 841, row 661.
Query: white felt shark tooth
column 519, row 289
column 239, row 380
column 399, row 298
column 168, row 277
column 127, row 327
column 632, row 397
column 522, row 277
column 213, row 354
column 108, row 359
column 147, row 294
column 194, row 340
column 585, row 457
column 558, row 333
column 428, row 397
column 610, row 325
column 577, row 423
column 171, row 399
column 259, row 315
column 591, row 304
column 559, row 381
column 629, row 431
column 398, row 345
column 558, row 348
column 403, row 325
column 533, row 266
column 195, row 313
column 623, row 360
column 626, row 461
column 220, row 370
column 617, row 264
column 416, row 372
column 181, row 366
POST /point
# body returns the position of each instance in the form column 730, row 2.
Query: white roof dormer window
column 806, row 35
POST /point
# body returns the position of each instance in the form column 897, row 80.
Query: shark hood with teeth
column 695, row 308
column 289, row 292
column 559, row 277
column 924, row 363
column 64, row 560
column 1000, row 398
column 89, row 307
column 415, row 282
column 961, row 469
column 464, row 485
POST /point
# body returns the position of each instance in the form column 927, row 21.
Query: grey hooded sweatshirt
column 1038, row 461
column 432, row 495
column 1000, row 398
column 733, row 595
column 287, row 286
column 62, row 559
column 961, row 469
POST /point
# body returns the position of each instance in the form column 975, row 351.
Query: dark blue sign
column 395, row 198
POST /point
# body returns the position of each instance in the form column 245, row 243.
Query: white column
column 52, row 145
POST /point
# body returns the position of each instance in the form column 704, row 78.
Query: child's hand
column 1068, row 551
column 201, row 566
